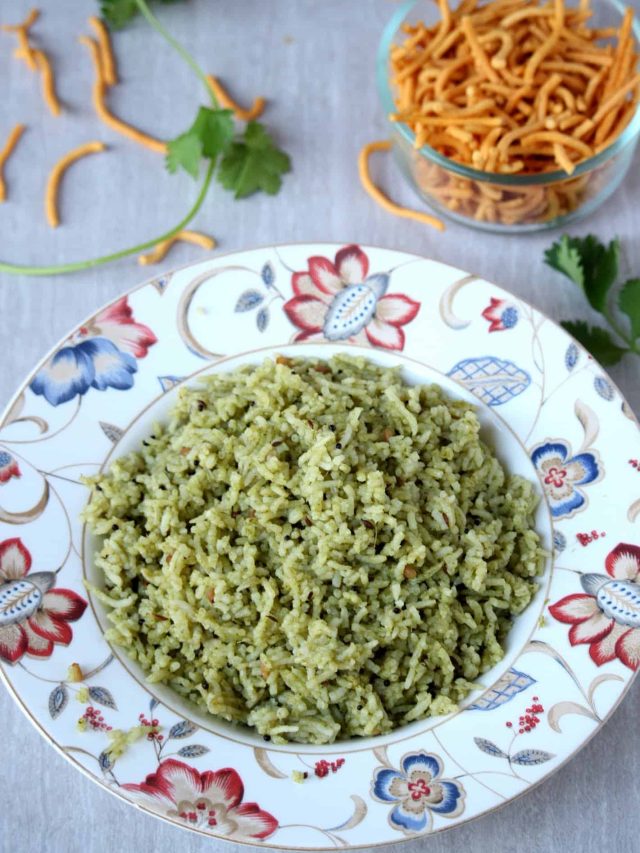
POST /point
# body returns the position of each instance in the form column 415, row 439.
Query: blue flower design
column 418, row 791
column 562, row 474
column 103, row 354
column 95, row 363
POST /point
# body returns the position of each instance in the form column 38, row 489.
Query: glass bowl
column 462, row 193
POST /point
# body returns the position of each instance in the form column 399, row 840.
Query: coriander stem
column 155, row 23
column 611, row 320
column 17, row 269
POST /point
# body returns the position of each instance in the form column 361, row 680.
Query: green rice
column 315, row 549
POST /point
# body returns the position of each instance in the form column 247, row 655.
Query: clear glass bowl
column 462, row 193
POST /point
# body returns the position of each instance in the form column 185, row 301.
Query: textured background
column 314, row 60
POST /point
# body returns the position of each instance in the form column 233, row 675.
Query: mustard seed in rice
column 315, row 550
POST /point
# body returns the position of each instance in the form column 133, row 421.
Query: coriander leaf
column 214, row 128
column 600, row 265
column 253, row 163
column 565, row 259
column 208, row 136
column 629, row 304
column 185, row 151
column 597, row 340
column 588, row 263
column 118, row 13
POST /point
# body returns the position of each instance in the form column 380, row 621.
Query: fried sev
column 100, row 87
column 53, row 184
column 35, row 59
column 514, row 87
column 5, row 153
column 160, row 251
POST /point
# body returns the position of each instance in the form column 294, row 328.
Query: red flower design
column 607, row 616
column 339, row 301
column 211, row 800
column 33, row 615
column 502, row 315
column 8, row 467
column 117, row 325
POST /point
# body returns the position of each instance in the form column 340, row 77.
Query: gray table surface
column 314, row 60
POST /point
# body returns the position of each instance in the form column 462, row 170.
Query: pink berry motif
column 153, row 724
column 323, row 767
column 529, row 720
column 587, row 538
column 635, row 464
column 94, row 720
column 527, row 723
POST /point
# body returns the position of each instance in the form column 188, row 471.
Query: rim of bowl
column 628, row 135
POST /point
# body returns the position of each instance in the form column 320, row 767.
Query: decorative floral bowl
column 547, row 406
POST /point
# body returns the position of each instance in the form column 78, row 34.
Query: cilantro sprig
column 245, row 159
column 594, row 267
column 118, row 13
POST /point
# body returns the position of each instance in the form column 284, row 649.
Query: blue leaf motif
column 105, row 760
column 529, row 757
column 193, row 750
column 559, row 541
column 262, row 319
column 58, row 700
column 113, row 433
column 248, row 300
column 153, row 704
column 604, row 388
column 504, row 690
column 182, row 729
column 268, row 275
column 571, row 356
column 489, row 747
column 102, row 696
column 494, row 380
column 169, row 382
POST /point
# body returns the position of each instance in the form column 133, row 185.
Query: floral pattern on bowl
column 418, row 791
column 575, row 662
column 339, row 300
column 607, row 616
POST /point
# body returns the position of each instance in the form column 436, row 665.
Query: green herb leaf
column 209, row 136
column 253, row 163
column 597, row 340
column 588, row 263
column 629, row 304
column 118, row 13
column 214, row 127
column 565, row 258
column 184, row 152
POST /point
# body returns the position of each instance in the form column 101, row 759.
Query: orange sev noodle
column 102, row 110
column 378, row 196
column 226, row 101
column 160, row 251
column 5, row 153
column 53, row 184
column 107, row 59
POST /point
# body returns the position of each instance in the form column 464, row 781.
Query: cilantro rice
column 315, row 549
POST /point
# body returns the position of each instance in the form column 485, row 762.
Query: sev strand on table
column 36, row 59
column 227, row 102
column 380, row 198
column 25, row 51
column 53, row 184
column 100, row 87
column 5, row 153
column 159, row 252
